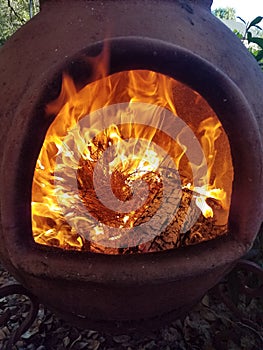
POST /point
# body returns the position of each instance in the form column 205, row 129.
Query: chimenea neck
column 205, row 3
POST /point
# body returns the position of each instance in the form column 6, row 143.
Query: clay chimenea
column 86, row 80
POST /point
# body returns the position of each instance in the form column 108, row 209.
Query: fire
column 201, row 194
column 117, row 163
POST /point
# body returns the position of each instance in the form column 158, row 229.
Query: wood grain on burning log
column 173, row 234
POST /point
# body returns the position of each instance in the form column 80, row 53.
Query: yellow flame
column 48, row 221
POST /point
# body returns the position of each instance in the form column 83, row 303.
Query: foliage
column 254, row 43
column 225, row 13
column 13, row 14
column 252, row 37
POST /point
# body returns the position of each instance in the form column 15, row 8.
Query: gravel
column 210, row 325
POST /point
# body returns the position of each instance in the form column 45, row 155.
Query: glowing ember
column 112, row 165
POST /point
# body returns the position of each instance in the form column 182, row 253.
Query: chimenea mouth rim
column 220, row 92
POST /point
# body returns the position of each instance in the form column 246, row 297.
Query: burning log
column 173, row 235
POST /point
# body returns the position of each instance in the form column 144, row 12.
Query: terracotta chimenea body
column 180, row 39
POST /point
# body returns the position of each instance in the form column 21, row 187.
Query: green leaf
column 258, row 41
column 259, row 55
column 239, row 35
column 249, row 37
column 255, row 21
column 241, row 19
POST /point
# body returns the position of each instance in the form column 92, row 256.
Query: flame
column 49, row 222
column 202, row 193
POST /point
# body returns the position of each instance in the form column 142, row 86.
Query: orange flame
column 50, row 223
